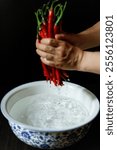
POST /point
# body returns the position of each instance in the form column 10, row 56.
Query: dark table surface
column 8, row 141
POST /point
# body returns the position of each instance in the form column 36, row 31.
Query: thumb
column 66, row 37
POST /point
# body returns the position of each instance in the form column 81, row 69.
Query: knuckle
column 49, row 57
column 50, row 41
column 46, row 48
column 53, row 42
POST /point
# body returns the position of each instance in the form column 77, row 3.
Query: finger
column 59, row 36
column 50, row 41
column 65, row 37
column 53, row 42
column 47, row 62
column 37, row 43
column 45, row 55
column 46, row 48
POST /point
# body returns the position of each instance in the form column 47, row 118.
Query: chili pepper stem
column 62, row 9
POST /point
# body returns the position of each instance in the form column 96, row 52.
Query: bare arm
column 90, row 38
column 86, row 39
column 90, row 62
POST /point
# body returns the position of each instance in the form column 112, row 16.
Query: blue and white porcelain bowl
column 50, row 138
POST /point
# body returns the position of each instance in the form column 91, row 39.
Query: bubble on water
column 49, row 111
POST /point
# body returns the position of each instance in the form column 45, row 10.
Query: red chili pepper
column 43, row 32
column 51, row 18
column 54, row 76
column 58, row 77
column 60, row 74
column 44, row 28
column 51, row 35
column 49, row 24
column 45, row 70
column 56, row 29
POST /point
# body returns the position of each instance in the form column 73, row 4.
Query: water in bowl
column 49, row 111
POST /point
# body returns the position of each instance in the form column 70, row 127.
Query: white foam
column 49, row 111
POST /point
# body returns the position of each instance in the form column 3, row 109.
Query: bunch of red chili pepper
column 49, row 20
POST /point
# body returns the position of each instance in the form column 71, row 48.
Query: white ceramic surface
column 27, row 133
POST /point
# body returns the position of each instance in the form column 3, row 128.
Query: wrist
column 80, row 55
column 90, row 62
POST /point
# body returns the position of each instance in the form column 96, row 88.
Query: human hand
column 86, row 39
column 59, row 54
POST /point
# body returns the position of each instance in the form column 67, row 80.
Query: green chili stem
column 56, row 12
column 62, row 9
column 39, row 20
column 45, row 10
column 53, row 2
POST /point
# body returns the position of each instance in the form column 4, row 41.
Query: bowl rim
column 26, row 126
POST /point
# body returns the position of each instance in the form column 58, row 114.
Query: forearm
column 86, row 39
column 89, row 38
column 90, row 62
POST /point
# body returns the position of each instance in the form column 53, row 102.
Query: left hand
column 59, row 54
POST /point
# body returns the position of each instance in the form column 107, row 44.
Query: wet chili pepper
column 49, row 24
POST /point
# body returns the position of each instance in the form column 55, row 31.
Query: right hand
column 74, row 39
column 59, row 54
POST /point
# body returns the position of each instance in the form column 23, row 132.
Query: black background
column 19, row 62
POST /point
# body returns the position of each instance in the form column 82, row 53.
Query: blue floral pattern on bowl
column 49, row 140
